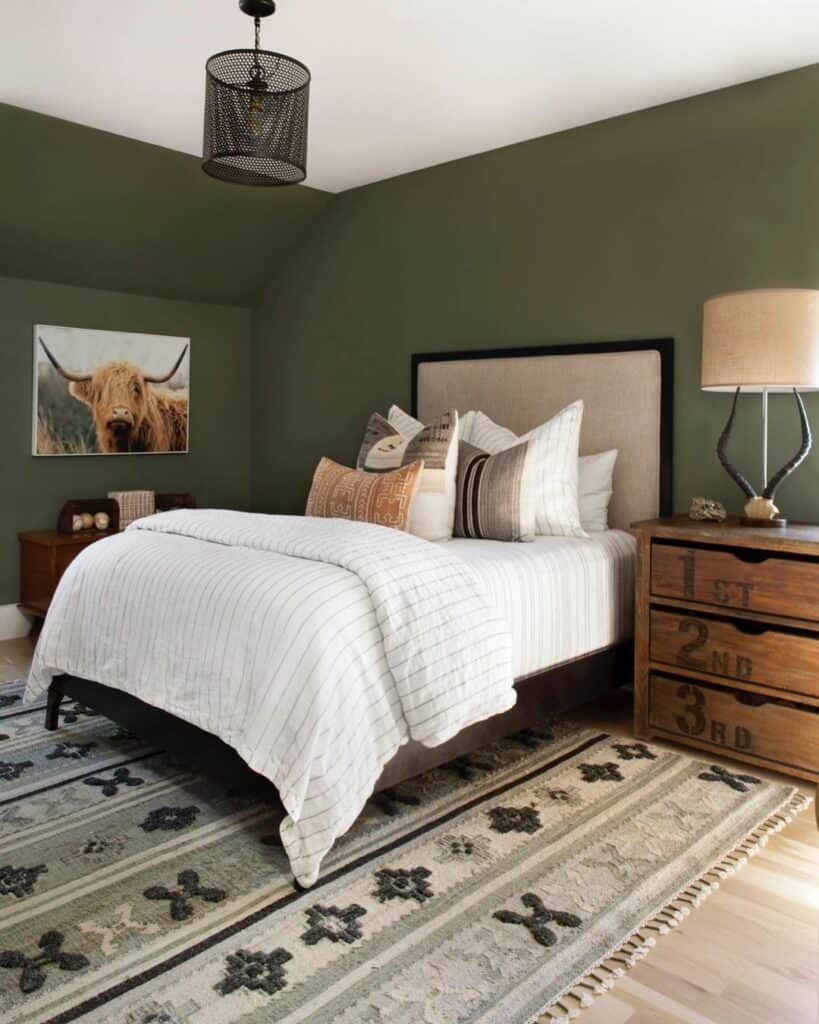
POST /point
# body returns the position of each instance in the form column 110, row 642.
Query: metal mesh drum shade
column 256, row 136
column 764, row 338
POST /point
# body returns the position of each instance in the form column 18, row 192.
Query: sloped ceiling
column 81, row 206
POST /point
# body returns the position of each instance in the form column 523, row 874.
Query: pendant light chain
column 257, row 71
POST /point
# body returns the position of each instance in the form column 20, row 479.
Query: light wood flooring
column 748, row 955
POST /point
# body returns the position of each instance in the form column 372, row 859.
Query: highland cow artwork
column 109, row 392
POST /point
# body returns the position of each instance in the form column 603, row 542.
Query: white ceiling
column 397, row 84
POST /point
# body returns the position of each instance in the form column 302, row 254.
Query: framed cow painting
column 109, row 392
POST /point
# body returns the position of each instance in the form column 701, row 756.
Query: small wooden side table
column 727, row 640
column 44, row 557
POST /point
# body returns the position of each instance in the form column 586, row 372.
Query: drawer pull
column 750, row 556
column 750, row 700
column 749, row 628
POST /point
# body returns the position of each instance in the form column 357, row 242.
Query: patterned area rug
column 515, row 882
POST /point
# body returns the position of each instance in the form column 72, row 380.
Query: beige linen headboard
column 627, row 391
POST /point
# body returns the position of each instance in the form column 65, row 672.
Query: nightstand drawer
column 752, row 580
column 44, row 557
column 737, row 650
column 725, row 720
column 64, row 556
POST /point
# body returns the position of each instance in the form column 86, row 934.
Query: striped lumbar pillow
column 553, row 451
column 493, row 500
column 339, row 492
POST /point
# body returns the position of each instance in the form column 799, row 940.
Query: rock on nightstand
column 707, row 510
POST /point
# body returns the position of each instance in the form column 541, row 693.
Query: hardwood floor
column 15, row 656
column 748, row 955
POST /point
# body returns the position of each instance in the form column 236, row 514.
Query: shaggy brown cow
column 130, row 414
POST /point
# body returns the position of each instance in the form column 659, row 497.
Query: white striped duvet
column 564, row 596
column 314, row 647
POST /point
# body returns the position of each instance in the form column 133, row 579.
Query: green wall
column 615, row 230
column 97, row 230
column 217, row 470
column 87, row 207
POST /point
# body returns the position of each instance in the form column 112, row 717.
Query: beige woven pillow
column 339, row 492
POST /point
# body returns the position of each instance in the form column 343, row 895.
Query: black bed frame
column 559, row 688
column 555, row 691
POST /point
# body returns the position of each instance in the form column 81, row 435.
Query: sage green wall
column 87, row 207
column 615, row 230
column 83, row 210
column 217, row 470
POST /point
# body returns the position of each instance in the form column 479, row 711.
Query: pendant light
column 256, row 112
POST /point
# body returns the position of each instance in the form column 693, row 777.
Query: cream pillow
column 479, row 430
column 400, row 439
column 553, row 472
column 594, row 489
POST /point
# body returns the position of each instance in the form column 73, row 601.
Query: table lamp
column 764, row 340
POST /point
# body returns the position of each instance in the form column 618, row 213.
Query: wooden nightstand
column 727, row 640
column 44, row 557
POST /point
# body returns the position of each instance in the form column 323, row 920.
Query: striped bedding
column 564, row 596
column 314, row 647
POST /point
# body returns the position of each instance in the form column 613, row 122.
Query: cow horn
column 59, row 369
column 176, row 365
column 791, row 464
column 727, row 465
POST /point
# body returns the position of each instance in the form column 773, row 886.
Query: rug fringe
column 604, row 974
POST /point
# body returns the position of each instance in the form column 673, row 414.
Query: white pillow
column 595, row 472
column 594, row 489
column 479, row 430
column 432, row 515
column 553, row 449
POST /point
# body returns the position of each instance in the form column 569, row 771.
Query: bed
column 333, row 656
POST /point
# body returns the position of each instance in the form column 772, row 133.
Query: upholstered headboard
column 626, row 387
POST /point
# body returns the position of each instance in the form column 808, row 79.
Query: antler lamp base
column 760, row 509
column 762, row 512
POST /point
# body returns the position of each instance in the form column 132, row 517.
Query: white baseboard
column 13, row 622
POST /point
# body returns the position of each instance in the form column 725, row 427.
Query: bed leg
column 55, row 696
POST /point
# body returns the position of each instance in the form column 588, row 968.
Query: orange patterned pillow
column 383, row 498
